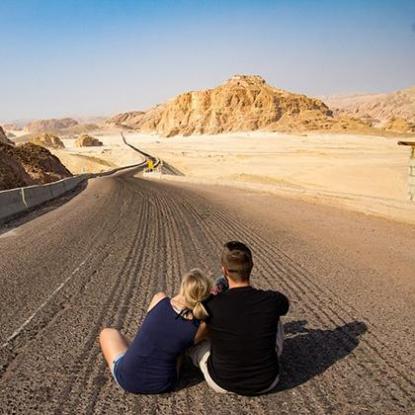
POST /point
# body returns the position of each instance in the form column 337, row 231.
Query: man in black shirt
column 244, row 330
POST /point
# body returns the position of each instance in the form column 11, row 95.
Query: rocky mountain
column 28, row 164
column 243, row 103
column 11, row 126
column 394, row 111
column 85, row 140
column 51, row 125
column 47, row 140
column 126, row 119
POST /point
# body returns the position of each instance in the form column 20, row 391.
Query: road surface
column 97, row 260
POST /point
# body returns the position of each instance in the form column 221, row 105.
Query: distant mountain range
column 393, row 111
column 248, row 103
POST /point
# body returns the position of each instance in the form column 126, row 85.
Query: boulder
column 86, row 140
column 48, row 140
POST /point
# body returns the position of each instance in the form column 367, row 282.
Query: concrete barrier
column 16, row 201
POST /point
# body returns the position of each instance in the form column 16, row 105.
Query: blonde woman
column 150, row 363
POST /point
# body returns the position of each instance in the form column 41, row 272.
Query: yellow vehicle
column 150, row 166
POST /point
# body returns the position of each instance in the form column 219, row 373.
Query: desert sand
column 113, row 153
column 364, row 173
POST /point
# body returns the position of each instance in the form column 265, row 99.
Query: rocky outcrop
column 86, row 140
column 29, row 164
column 126, row 119
column 48, row 140
column 12, row 172
column 51, row 125
column 3, row 137
column 243, row 103
column 399, row 125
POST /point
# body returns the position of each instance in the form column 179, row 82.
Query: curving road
column 97, row 260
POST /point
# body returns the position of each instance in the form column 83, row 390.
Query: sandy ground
column 114, row 153
column 363, row 173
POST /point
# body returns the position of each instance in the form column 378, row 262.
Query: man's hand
column 221, row 285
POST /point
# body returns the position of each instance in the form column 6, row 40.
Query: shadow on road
column 309, row 352
column 169, row 169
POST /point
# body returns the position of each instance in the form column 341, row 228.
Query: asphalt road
column 97, row 260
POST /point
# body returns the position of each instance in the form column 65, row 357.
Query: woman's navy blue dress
column 149, row 365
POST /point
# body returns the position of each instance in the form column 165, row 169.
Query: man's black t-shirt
column 243, row 327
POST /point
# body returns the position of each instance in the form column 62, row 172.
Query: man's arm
column 282, row 304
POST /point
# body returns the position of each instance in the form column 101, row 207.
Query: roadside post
column 411, row 172
column 160, row 168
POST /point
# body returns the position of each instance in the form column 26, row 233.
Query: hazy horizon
column 96, row 58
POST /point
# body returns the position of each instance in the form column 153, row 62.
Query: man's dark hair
column 237, row 260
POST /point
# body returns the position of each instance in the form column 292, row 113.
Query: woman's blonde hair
column 195, row 288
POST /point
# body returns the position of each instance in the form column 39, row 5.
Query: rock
column 12, row 172
column 86, row 140
column 29, row 164
column 48, row 140
column 399, row 125
column 3, row 137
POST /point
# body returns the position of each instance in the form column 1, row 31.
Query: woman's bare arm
column 155, row 300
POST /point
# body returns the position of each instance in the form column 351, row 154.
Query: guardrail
column 14, row 202
column 155, row 160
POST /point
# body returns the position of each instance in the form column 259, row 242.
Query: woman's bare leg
column 113, row 343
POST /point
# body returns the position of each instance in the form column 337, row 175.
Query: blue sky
column 85, row 57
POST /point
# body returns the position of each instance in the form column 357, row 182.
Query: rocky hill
column 51, row 125
column 47, row 140
column 394, row 111
column 126, row 119
column 3, row 137
column 11, row 127
column 86, row 140
column 28, row 164
column 243, row 103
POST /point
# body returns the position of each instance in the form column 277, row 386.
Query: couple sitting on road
column 232, row 333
